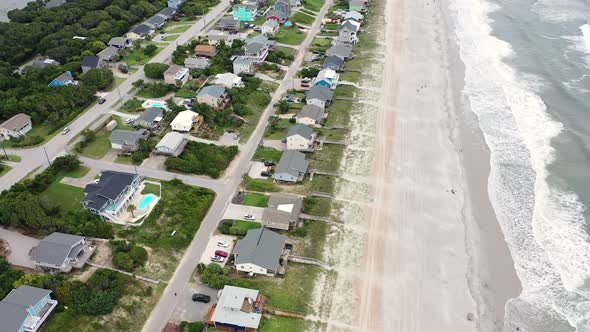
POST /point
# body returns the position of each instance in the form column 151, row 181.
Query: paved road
column 34, row 158
column 179, row 282
column 20, row 245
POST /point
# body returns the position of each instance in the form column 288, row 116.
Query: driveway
column 20, row 246
column 155, row 162
column 275, row 144
column 212, row 246
column 255, row 169
column 236, row 211
column 188, row 310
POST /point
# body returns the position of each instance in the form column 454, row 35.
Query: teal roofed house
column 244, row 13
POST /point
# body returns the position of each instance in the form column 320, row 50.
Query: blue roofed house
column 175, row 3
column 327, row 77
column 111, row 194
column 25, row 309
column 64, row 79
column 244, row 13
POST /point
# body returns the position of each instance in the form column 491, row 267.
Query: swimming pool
column 145, row 201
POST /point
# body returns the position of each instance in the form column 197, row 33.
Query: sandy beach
column 420, row 246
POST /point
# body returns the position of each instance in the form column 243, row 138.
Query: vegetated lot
column 320, row 183
column 354, row 64
column 345, row 91
column 317, row 206
column 260, row 185
column 279, row 323
column 203, row 159
column 42, row 205
column 321, row 44
column 339, row 113
column 171, row 37
column 108, row 301
column 138, row 56
column 181, row 210
column 154, row 90
column 237, row 227
column 150, row 188
column 277, row 128
column 289, row 36
column 331, row 26
column 327, row 159
column 314, row 5
column 268, row 154
column 132, row 105
column 178, row 28
column 249, row 103
column 350, row 76
column 302, row 18
column 309, row 239
column 308, row 12
column 253, row 199
column 4, row 169
column 333, row 134
column 95, row 147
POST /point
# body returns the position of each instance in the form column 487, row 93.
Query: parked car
column 65, row 131
column 250, row 217
column 269, row 163
column 102, row 100
column 123, row 69
column 129, row 121
column 257, row 28
column 266, row 173
column 221, row 253
column 198, row 297
column 222, row 243
column 216, row 258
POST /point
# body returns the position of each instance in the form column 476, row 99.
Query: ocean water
column 527, row 78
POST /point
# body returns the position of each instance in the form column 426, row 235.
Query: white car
column 216, row 258
column 250, row 217
column 65, row 131
column 222, row 243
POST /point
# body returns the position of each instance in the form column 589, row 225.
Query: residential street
column 178, row 284
column 34, row 158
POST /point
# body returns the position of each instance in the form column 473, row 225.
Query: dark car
column 102, row 101
column 198, row 297
column 266, row 173
column 268, row 163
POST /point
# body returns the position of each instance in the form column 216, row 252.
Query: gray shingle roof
column 168, row 12
column 279, row 14
column 319, row 92
column 55, row 248
column 118, row 41
column 242, row 60
column 110, row 186
column 211, row 90
column 262, row 247
column 339, row 50
column 254, row 48
column 150, row 114
column 126, row 137
column 141, row 29
column 292, row 162
column 156, row 20
column 13, row 308
column 348, row 25
column 312, row 112
column 26, row 295
column 279, row 200
column 300, row 129
column 333, row 62
column 16, row 122
column 108, row 52
column 90, row 61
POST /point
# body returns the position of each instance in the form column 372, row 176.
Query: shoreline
column 491, row 276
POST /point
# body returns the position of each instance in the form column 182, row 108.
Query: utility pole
column 46, row 156
column 3, row 148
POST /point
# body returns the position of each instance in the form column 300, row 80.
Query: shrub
column 155, row 70
column 127, row 256
column 201, row 158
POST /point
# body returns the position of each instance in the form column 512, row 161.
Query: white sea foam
column 586, row 35
column 543, row 225
column 560, row 11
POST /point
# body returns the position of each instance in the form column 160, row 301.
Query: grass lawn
column 136, row 57
column 308, row 12
column 331, row 26
column 354, row 64
column 293, row 293
column 302, row 18
column 151, row 188
column 98, row 148
column 350, row 76
column 260, row 185
column 180, row 211
column 11, row 157
column 253, row 199
column 321, row 183
column 278, row 323
column 5, row 169
column 252, row 119
column 317, row 206
column 178, row 28
column 290, row 36
column 65, row 196
column 280, row 131
column 78, row 173
column 131, row 106
column 116, row 82
column 185, row 93
column 314, row 5
column 339, row 113
column 125, row 160
column 328, row 33
column 244, row 224
column 333, row 134
column 321, row 42
column 171, row 37
column 265, row 153
column 327, row 159
column 345, row 91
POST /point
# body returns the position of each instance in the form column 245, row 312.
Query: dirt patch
column 4, row 248
column 102, row 254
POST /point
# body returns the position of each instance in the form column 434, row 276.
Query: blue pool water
column 145, row 202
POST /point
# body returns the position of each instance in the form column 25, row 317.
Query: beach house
column 109, row 196
column 327, row 77
column 300, row 138
column 260, row 252
column 278, row 16
column 176, row 75
column 282, row 211
column 333, row 62
column 127, row 140
column 269, row 27
column 257, row 52
column 196, row 63
column 120, row 42
column 18, row 125
column 244, row 13
column 186, row 121
column 237, row 309
column 150, row 118
column 91, row 62
column 319, row 95
column 283, row 6
column 244, row 65
column 311, row 115
column 348, row 32
column 212, row 95
column 108, row 54
column 65, row 78
column 25, row 309
column 208, row 51
column 140, row 31
column 229, row 80
column 172, row 144
column 60, row 252
column 291, row 168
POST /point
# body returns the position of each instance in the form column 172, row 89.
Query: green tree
column 150, row 49
column 100, row 78
column 155, row 70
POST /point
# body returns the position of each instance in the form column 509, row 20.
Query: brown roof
column 208, row 50
column 16, row 122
